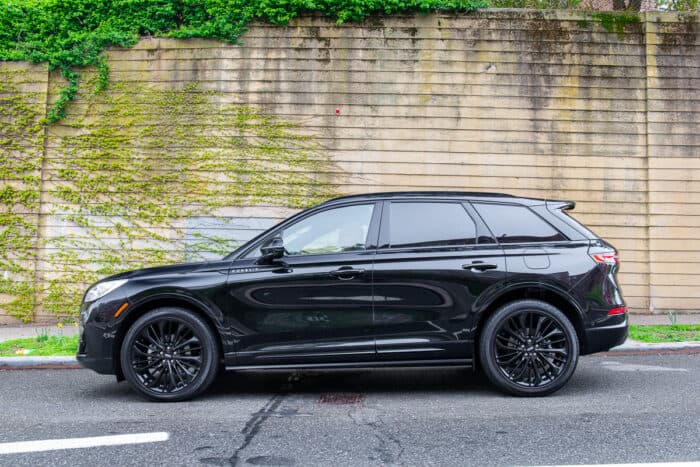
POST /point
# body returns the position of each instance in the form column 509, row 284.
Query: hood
column 181, row 268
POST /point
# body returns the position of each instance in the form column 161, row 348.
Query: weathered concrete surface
column 544, row 104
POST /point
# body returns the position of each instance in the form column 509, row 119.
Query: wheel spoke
column 171, row 377
column 187, row 358
column 179, row 334
column 508, row 360
column 544, row 361
column 536, row 369
column 559, row 351
column 152, row 336
column 191, row 340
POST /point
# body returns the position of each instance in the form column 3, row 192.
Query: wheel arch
column 142, row 307
column 545, row 293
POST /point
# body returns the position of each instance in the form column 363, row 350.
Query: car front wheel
column 528, row 348
column 169, row 354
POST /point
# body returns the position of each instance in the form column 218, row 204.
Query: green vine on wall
column 21, row 153
column 134, row 163
column 69, row 34
column 612, row 22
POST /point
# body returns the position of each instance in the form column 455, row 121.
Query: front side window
column 332, row 231
column 430, row 224
column 517, row 224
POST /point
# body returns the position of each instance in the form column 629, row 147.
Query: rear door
column 436, row 258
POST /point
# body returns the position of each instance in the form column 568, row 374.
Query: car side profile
column 511, row 285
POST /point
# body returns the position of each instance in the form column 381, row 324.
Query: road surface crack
column 255, row 422
column 389, row 448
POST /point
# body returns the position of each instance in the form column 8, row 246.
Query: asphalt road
column 616, row 409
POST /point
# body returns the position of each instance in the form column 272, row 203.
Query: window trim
column 385, row 226
column 370, row 242
column 498, row 242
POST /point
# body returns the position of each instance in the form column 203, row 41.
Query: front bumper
column 606, row 335
column 96, row 348
column 95, row 351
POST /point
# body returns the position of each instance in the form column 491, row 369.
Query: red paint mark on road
column 341, row 398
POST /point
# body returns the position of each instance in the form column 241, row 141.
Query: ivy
column 70, row 34
column 134, row 163
column 21, row 156
column 615, row 22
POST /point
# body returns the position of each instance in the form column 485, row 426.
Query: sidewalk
column 645, row 320
column 16, row 332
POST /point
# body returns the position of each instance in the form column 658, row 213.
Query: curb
column 636, row 346
column 9, row 363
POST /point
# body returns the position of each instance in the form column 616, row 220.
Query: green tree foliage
column 72, row 33
column 536, row 4
column 679, row 5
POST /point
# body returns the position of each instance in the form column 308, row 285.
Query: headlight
column 102, row 289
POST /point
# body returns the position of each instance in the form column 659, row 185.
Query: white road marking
column 617, row 366
column 644, row 464
column 75, row 443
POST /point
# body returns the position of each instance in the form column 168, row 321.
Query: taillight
column 620, row 310
column 606, row 258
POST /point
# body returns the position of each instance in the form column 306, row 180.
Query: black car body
column 386, row 279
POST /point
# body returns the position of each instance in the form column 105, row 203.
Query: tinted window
column 517, row 224
column 332, row 231
column 430, row 224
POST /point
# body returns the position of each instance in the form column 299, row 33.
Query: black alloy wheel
column 529, row 348
column 169, row 354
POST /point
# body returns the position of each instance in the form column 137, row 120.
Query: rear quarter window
column 512, row 223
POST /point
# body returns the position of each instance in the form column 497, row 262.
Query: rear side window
column 430, row 224
column 517, row 224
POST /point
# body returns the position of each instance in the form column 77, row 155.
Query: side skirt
column 466, row 362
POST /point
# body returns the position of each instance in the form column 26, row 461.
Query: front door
column 313, row 305
column 435, row 259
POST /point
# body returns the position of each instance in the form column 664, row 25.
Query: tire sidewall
column 210, row 354
column 487, row 347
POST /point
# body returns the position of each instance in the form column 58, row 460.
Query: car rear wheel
column 528, row 348
column 169, row 354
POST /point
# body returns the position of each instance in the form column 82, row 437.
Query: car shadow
column 347, row 382
column 365, row 381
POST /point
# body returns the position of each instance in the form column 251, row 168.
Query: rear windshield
column 512, row 223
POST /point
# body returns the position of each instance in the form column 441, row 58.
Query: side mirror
column 272, row 249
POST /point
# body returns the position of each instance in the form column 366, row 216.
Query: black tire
column 528, row 348
column 169, row 354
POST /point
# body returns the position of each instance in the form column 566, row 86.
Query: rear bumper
column 608, row 334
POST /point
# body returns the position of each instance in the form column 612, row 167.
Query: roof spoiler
column 562, row 205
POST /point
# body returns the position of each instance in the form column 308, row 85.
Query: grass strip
column 40, row 346
column 666, row 333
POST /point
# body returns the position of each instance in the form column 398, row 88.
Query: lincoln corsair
column 513, row 286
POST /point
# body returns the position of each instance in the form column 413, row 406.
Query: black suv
column 388, row 279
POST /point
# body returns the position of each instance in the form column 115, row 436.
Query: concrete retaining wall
column 546, row 104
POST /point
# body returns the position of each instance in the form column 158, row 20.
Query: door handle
column 479, row 266
column 345, row 274
column 282, row 270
